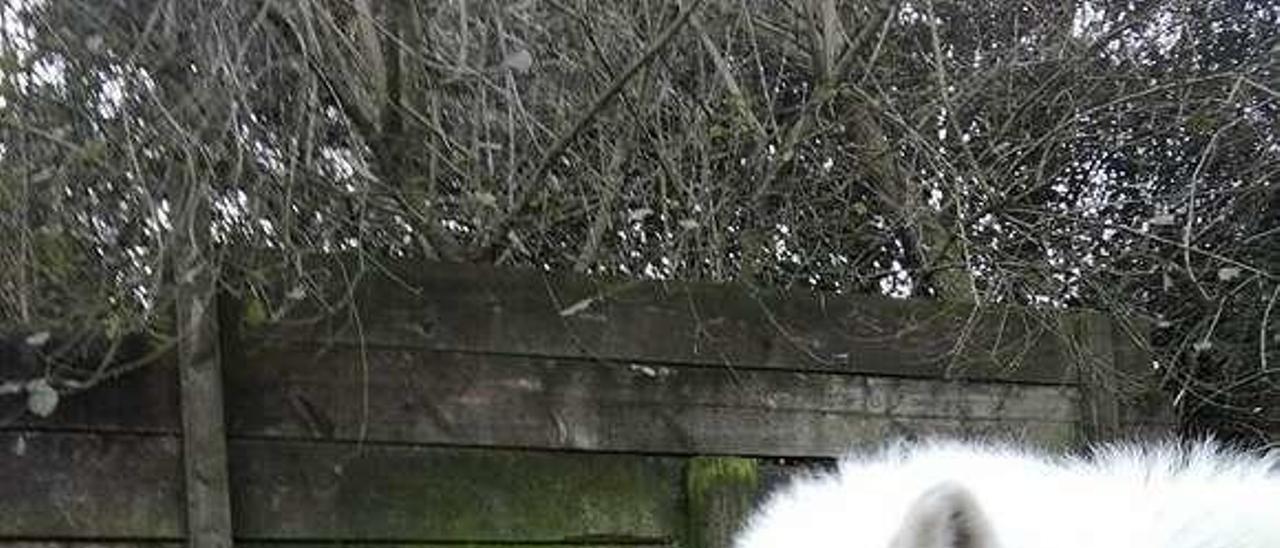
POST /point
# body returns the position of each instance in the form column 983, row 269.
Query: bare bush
column 1111, row 155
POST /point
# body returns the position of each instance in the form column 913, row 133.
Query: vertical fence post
column 204, row 445
column 720, row 492
column 1096, row 369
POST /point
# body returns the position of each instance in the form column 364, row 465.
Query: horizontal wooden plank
column 413, row 396
column 450, row 398
column 320, row 543
column 70, row 486
column 141, row 401
column 90, row 486
column 339, row 491
column 480, row 309
column 90, row 544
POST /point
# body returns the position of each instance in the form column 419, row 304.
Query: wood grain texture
column 90, row 486
column 144, row 401
column 413, row 396
column 447, row 398
column 630, row 543
column 72, row 486
column 204, row 438
column 302, row 491
column 478, row 309
column 295, row 544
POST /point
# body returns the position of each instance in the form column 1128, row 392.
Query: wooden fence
column 464, row 405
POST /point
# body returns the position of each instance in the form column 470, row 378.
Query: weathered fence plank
column 478, row 309
column 89, row 544
column 416, row 544
column 511, row 401
column 307, row 491
column 144, row 401
column 467, row 399
column 64, row 486
column 314, row 544
column 68, row 486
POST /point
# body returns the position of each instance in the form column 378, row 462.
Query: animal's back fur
column 1162, row 496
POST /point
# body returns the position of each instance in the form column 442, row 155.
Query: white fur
column 1126, row 496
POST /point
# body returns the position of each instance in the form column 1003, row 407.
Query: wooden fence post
column 204, row 444
column 720, row 492
column 1096, row 370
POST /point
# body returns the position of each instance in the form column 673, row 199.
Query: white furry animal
column 959, row 495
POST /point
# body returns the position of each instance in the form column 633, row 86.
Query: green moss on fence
column 719, row 492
